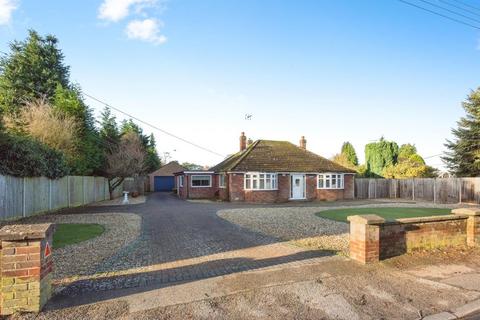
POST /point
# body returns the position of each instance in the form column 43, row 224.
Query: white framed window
column 222, row 181
column 330, row 181
column 180, row 181
column 260, row 181
column 201, row 181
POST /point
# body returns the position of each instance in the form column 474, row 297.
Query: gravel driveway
column 298, row 224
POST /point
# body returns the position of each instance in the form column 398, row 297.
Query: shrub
column 25, row 157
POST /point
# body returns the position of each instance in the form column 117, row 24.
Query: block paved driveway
column 183, row 241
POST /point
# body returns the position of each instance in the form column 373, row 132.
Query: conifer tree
column 463, row 157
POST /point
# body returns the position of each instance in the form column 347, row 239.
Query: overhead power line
column 440, row 14
column 153, row 126
column 448, row 10
column 459, row 7
column 467, row 5
column 144, row 122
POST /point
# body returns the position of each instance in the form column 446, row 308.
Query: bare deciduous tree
column 40, row 121
column 126, row 160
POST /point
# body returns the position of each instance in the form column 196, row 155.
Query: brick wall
column 267, row 196
column 223, row 193
column 408, row 235
column 372, row 239
column 26, row 266
column 236, row 187
column 283, row 181
column 331, row 194
column 201, row 192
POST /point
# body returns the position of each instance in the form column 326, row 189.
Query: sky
column 332, row 71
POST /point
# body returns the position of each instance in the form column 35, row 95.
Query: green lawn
column 71, row 233
column 387, row 213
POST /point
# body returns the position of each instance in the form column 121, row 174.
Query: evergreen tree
column 89, row 159
column 379, row 155
column 152, row 160
column 349, row 152
column 463, row 157
column 31, row 71
column 109, row 132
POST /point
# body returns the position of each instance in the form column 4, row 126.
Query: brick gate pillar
column 473, row 224
column 365, row 238
column 25, row 265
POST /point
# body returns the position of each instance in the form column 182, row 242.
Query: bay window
column 260, row 181
column 330, row 181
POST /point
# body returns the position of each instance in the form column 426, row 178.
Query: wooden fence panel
column 22, row 197
column 441, row 190
column 11, row 193
column 59, row 193
column 89, row 190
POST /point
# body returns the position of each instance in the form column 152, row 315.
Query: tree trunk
column 113, row 183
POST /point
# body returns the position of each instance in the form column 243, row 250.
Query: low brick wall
column 26, row 265
column 373, row 239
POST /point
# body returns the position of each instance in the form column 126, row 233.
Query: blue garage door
column 163, row 183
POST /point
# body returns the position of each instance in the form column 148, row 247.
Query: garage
column 163, row 183
column 163, row 180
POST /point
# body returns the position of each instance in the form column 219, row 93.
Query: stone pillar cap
column 467, row 211
column 25, row 231
column 366, row 219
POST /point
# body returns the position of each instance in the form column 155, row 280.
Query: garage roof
column 168, row 170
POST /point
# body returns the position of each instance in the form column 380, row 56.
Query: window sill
column 222, row 187
column 200, row 186
column 330, row 188
column 261, row 189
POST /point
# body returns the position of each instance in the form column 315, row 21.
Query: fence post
column 24, row 205
column 368, row 186
column 413, row 189
column 68, row 191
column 460, row 190
column 49, row 194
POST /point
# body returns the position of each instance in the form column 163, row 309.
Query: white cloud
column 146, row 30
column 6, row 9
column 116, row 10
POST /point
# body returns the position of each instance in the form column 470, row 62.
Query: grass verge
column 386, row 213
column 71, row 233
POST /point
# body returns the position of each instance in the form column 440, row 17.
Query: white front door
column 297, row 185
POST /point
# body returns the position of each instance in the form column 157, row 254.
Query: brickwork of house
column 262, row 196
column 236, row 187
column 199, row 192
column 372, row 239
column 26, row 266
column 311, row 187
column 223, row 192
column 283, row 181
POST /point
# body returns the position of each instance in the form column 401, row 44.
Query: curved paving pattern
column 183, row 241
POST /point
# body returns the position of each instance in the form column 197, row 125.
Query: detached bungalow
column 269, row 171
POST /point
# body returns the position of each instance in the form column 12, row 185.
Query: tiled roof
column 168, row 170
column 277, row 156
